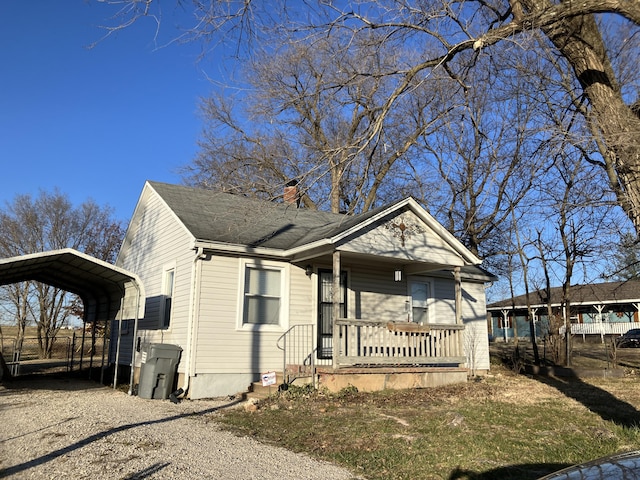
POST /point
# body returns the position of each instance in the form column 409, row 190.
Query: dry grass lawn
column 502, row 426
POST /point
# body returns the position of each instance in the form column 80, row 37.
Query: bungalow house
column 245, row 288
column 609, row 308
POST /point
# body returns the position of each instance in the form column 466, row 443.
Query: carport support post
column 335, row 314
column 115, row 367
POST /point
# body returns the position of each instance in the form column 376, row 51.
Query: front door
column 420, row 300
column 325, row 310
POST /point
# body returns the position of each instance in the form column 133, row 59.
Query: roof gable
column 401, row 234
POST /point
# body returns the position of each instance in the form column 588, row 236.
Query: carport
column 108, row 292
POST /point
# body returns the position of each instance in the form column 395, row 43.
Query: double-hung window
column 263, row 295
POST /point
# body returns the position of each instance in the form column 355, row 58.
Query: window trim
column 164, row 296
column 283, row 321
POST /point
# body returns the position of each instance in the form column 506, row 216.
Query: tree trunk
column 611, row 120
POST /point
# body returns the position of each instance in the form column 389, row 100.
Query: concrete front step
column 258, row 391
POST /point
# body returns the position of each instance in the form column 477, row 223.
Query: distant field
column 11, row 331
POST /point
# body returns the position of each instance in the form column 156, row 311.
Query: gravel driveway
column 70, row 428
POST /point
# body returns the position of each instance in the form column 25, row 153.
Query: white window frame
column 166, row 270
column 430, row 301
column 283, row 321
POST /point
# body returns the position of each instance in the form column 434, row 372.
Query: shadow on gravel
column 57, row 381
column 42, row 384
column 147, row 472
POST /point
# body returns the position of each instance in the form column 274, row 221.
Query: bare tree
column 450, row 37
column 48, row 222
column 580, row 209
column 306, row 117
column 488, row 152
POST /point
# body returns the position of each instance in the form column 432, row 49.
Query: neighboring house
column 609, row 308
column 246, row 287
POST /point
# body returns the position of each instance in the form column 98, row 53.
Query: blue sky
column 95, row 123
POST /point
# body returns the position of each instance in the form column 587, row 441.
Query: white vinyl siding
column 160, row 240
column 224, row 345
column 476, row 332
column 373, row 295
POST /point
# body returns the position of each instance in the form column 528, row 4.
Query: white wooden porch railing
column 363, row 342
column 598, row 328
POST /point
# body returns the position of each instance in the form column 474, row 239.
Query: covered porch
column 388, row 306
column 372, row 355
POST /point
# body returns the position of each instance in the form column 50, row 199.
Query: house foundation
column 372, row 379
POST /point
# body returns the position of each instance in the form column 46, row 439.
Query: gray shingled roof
column 234, row 219
column 597, row 293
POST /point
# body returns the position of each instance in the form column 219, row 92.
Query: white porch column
column 335, row 298
column 505, row 323
column 599, row 309
column 458, row 301
column 458, row 293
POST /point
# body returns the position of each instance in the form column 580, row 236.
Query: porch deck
column 374, row 355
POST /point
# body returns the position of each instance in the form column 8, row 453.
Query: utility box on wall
column 158, row 368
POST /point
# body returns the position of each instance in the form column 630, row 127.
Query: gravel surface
column 69, row 428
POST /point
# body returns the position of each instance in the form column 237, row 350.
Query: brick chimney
column 291, row 195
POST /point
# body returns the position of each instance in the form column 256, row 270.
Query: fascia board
column 124, row 242
column 143, row 199
column 239, row 249
column 317, row 245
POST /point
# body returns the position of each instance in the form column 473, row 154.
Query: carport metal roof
column 108, row 292
column 101, row 286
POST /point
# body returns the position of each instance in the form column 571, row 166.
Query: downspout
column 193, row 314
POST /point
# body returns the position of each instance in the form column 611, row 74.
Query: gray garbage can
column 158, row 368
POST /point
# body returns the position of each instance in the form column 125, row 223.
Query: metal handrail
column 304, row 349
